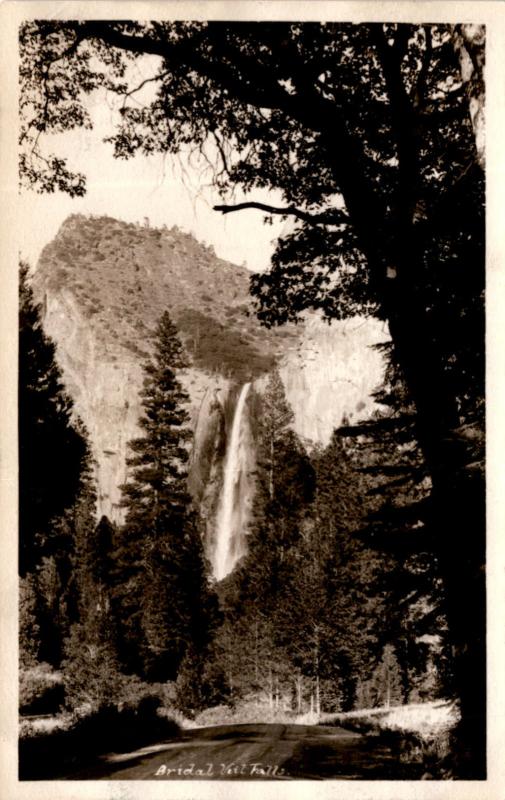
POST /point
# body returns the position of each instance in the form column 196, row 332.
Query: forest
column 372, row 134
column 320, row 616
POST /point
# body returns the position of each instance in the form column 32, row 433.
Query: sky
column 167, row 190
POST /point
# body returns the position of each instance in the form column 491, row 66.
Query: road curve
column 251, row 752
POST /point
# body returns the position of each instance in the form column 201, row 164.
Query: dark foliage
column 105, row 730
column 302, row 614
column 222, row 348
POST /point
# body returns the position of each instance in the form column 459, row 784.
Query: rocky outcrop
column 103, row 381
column 103, row 284
column 330, row 374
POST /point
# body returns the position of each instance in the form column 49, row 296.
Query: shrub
column 40, row 690
column 247, row 711
column 217, row 715
column 30, row 728
column 135, row 692
column 90, row 674
column 93, row 680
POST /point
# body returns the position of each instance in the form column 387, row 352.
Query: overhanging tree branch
column 252, row 82
column 257, row 84
column 325, row 218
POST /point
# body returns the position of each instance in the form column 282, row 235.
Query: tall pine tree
column 63, row 578
column 397, row 500
column 284, row 486
column 161, row 591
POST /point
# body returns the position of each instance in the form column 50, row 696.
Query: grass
column 40, row 689
column 423, row 719
column 422, row 733
column 247, row 712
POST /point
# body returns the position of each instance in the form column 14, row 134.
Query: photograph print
column 251, row 400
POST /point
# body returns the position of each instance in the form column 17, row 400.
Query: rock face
column 330, row 372
column 104, row 383
column 103, row 284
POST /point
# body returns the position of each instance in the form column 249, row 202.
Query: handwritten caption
column 233, row 769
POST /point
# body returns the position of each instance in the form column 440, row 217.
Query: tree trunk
column 270, row 689
column 299, row 689
column 395, row 262
column 256, row 655
column 316, row 671
column 271, row 470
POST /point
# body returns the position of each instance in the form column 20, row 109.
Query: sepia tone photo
column 251, row 400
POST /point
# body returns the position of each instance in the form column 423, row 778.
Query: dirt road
column 252, row 752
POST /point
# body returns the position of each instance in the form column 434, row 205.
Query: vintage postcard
column 252, row 273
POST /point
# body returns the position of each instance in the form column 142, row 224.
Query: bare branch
column 153, row 79
column 325, row 218
column 220, row 146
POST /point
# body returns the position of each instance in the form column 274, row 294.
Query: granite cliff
column 103, row 285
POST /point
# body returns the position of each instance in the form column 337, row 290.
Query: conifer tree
column 29, row 628
column 51, row 447
column 100, row 559
column 90, row 666
column 386, row 682
column 90, row 662
column 284, row 486
column 64, row 582
column 52, row 458
column 331, row 608
column 397, row 503
column 161, row 591
column 276, row 418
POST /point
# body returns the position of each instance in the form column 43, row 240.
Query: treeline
column 337, row 605
column 328, row 612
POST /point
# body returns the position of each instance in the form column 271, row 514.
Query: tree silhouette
column 160, row 584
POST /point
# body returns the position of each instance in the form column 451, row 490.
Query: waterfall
column 232, row 510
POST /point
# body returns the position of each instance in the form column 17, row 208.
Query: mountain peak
column 104, row 284
column 124, row 275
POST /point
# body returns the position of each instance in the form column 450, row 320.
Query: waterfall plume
column 233, row 506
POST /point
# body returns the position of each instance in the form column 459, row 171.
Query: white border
column 12, row 223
